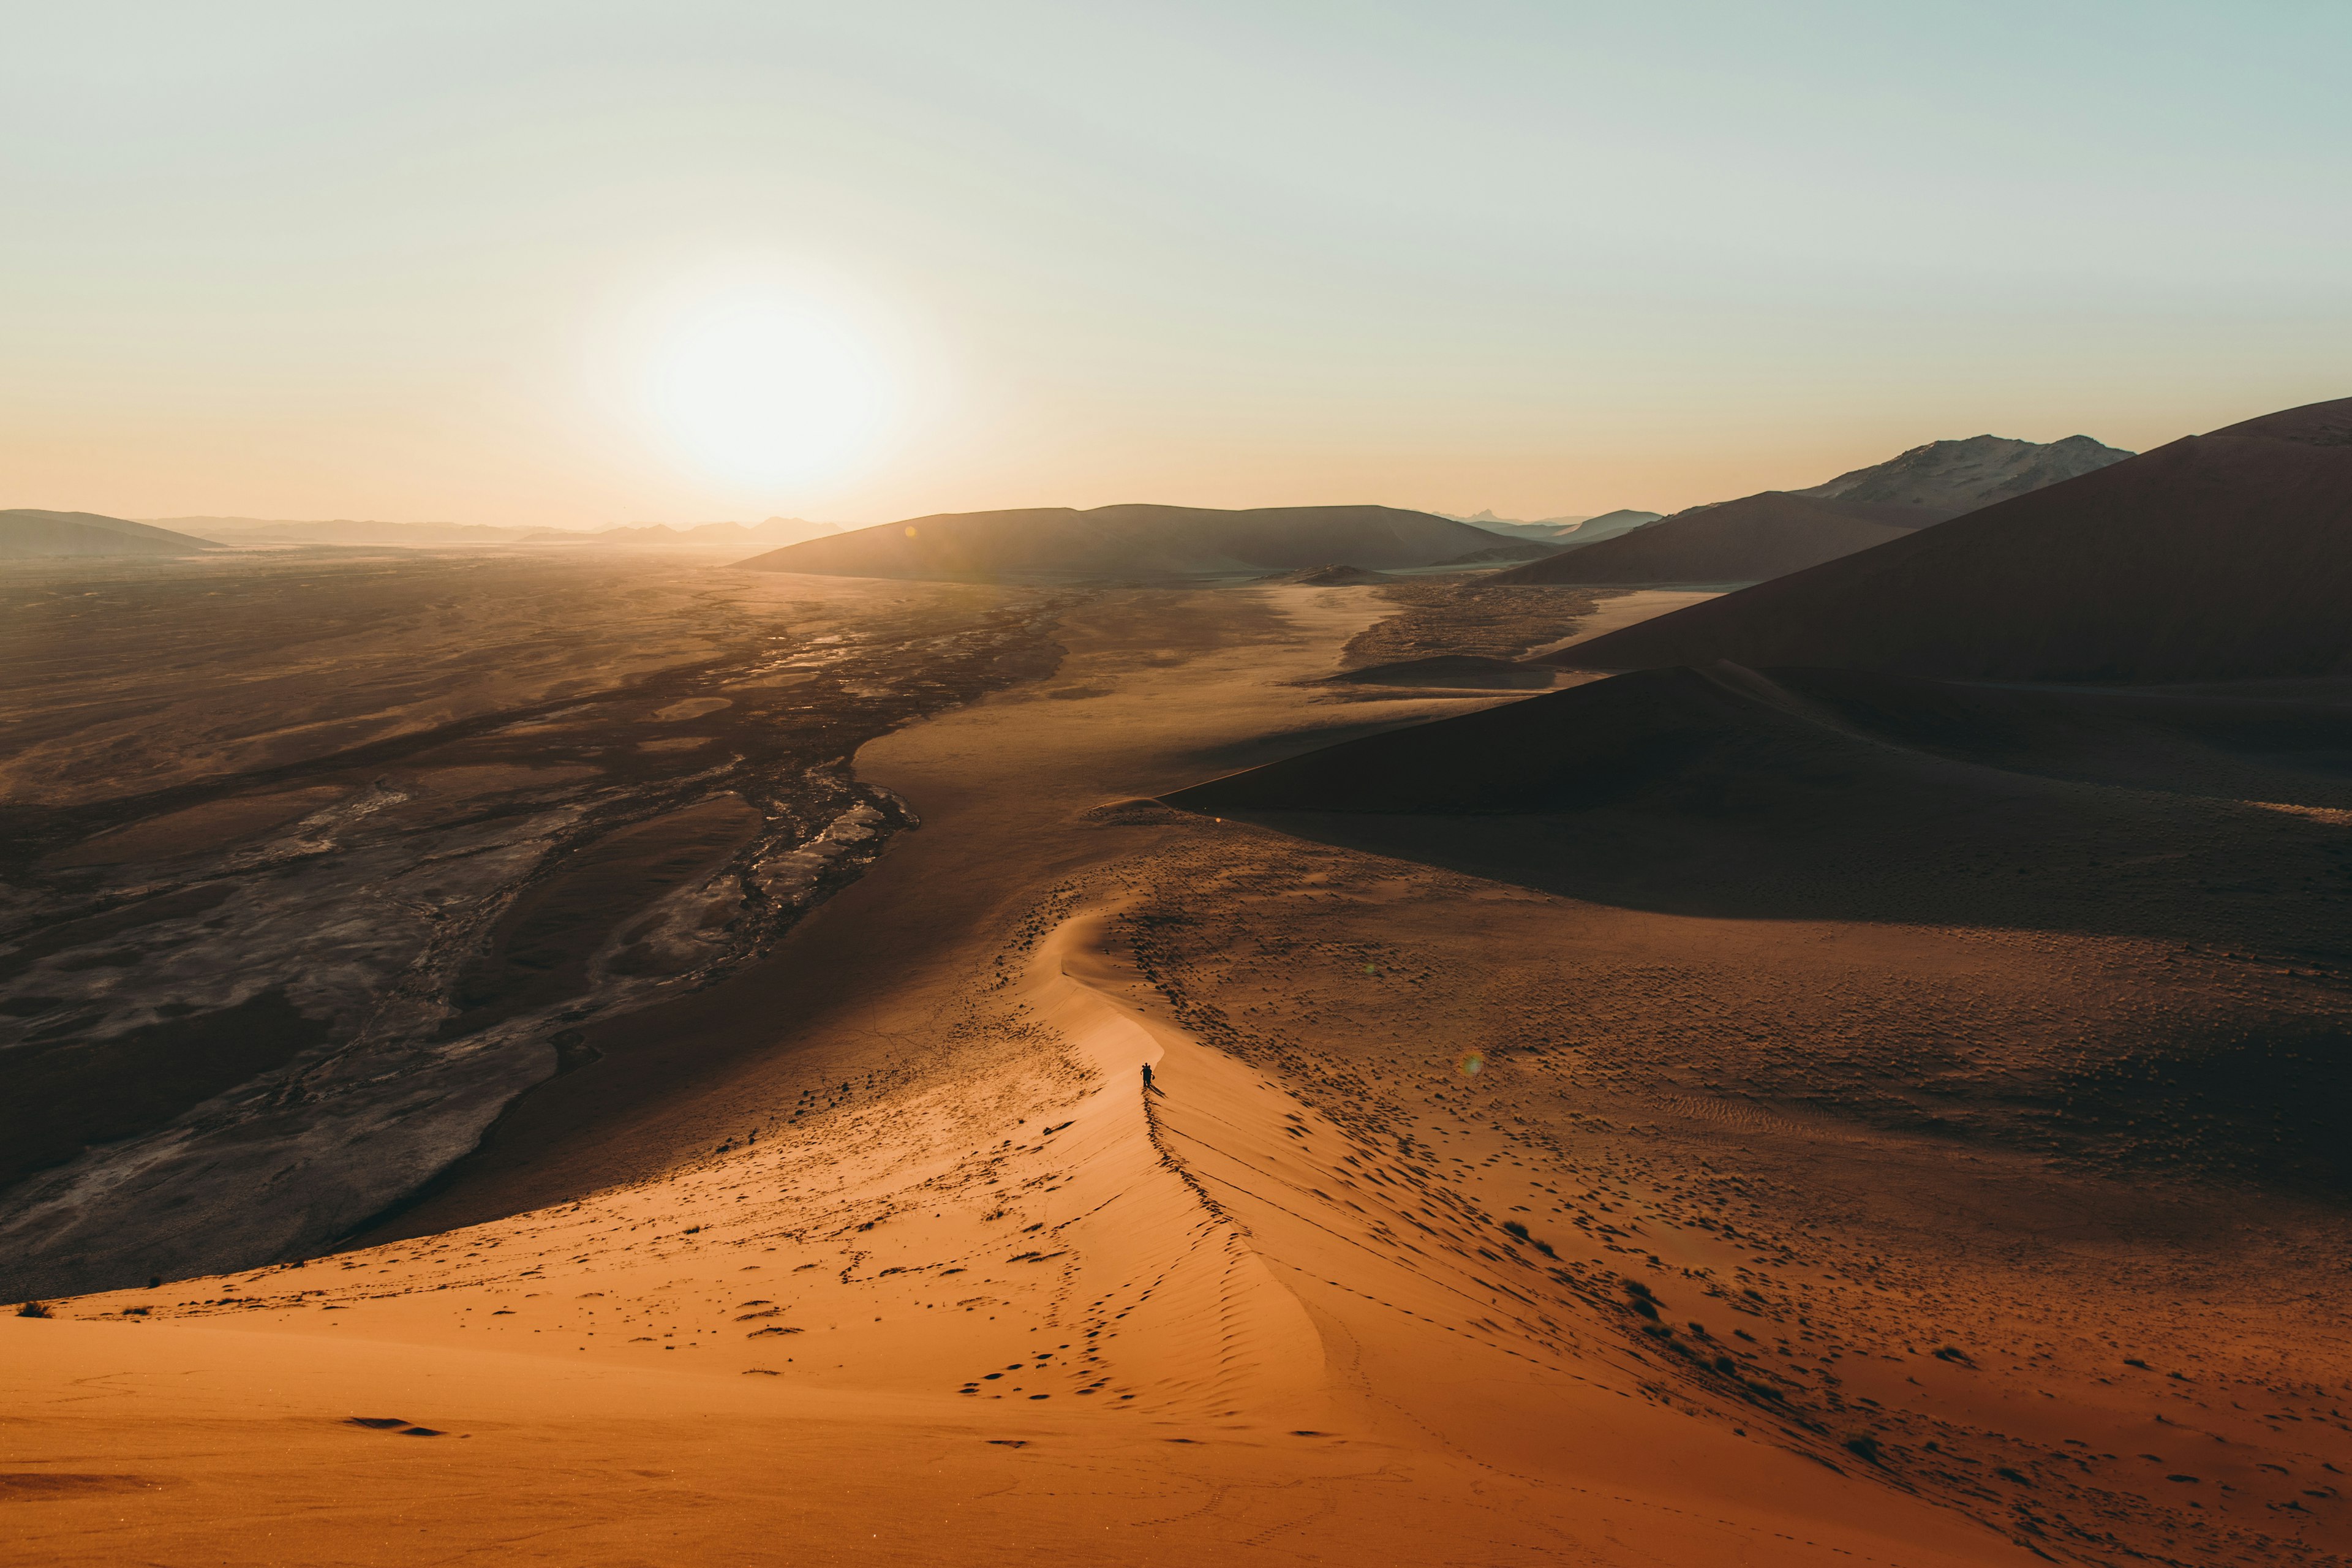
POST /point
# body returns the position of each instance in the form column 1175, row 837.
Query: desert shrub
column 33, row 1309
column 1862, row 1446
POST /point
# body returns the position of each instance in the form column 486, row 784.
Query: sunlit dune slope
column 1132, row 542
column 2223, row 556
column 1028, row 1313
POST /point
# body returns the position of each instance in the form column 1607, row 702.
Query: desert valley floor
column 1468, row 1220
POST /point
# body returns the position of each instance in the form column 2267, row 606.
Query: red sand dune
column 2225, row 556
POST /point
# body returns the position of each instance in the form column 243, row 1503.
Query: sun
column 763, row 389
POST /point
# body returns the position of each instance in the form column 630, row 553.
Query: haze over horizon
column 524, row 264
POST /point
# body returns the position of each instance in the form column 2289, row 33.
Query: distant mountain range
column 1774, row 532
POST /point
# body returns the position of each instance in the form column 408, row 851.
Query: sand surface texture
column 1451, row 1232
column 307, row 863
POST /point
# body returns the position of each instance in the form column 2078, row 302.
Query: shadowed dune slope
column 1727, row 742
column 1459, row 672
column 1743, row 541
column 1575, row 749
column 2207, row 819
column 1847, row 794
column 1131, row 542
column 2226, row 556
column 26, row 533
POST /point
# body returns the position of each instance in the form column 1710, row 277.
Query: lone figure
column 1147, row 1078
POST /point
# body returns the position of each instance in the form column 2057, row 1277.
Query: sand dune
column 1041, row 1318
column 1776, row 533
column 2217, row 557
column 1608, row 525
column 1634, row 735
column 26, row 535
column 319, row 860
column 1132, row 542
column 1744, row 540
column 1473, row 1222
column 1457, row 670
column 923, row 1276
column 1961, row 476
column 1523, row 550
column 252, row 530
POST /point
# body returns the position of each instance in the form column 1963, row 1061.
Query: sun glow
column 766, row 389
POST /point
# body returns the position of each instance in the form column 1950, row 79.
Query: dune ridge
column 1477, row 1220
column 1743, row 541
column 2218, row 557
column 967, row 1174
column 1775, row 532
column 1961, row 476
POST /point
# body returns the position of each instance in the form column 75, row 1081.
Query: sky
column 589, row 263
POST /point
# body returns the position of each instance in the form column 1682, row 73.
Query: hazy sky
column 515, row 262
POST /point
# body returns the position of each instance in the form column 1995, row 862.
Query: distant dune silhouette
column 1567, row 532
column 1775, row 532
column 1132, row 542
column 1743, row 541
column 26, row 535
column 1608, row 525
column 2224, row 556
column 770, row 533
